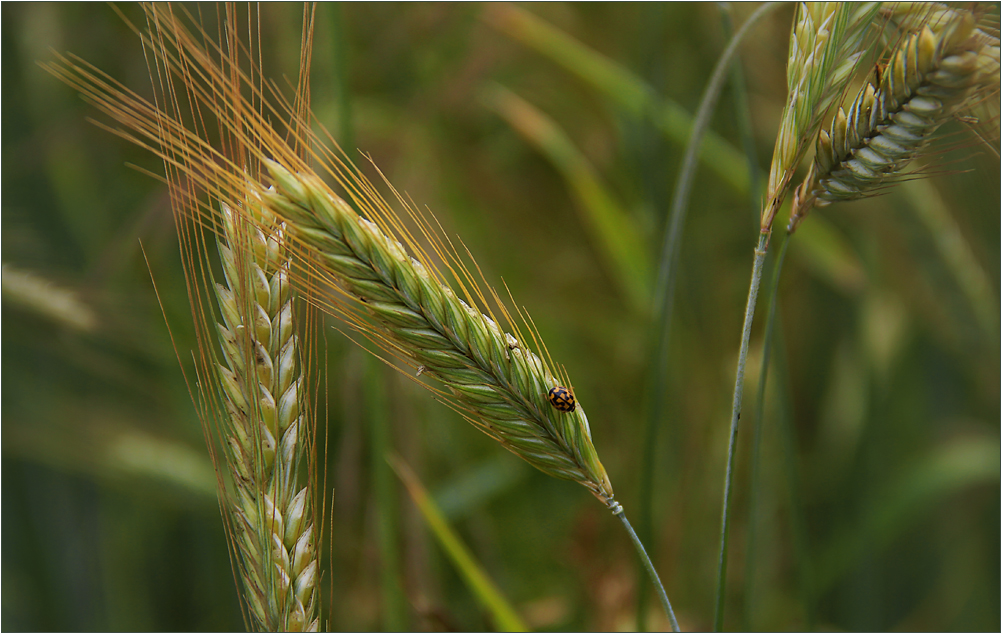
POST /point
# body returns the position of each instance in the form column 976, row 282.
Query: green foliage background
column 878, row 503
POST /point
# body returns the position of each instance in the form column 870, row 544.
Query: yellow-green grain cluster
column 929, row 76
column 827, row 42
column 265, row 432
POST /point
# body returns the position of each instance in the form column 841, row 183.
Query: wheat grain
column 253, row 405
column 929, row 77
column 913, row 16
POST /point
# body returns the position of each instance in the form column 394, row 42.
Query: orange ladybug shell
column 561, row 399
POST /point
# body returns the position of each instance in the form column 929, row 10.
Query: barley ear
column 490, row 376
column 266, row 430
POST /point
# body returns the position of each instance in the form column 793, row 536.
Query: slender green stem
column 736, row 414
column 666, row 281
column 650, row 568
column 758, row 424
column 340, row 63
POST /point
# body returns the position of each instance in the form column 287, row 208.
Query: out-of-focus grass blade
column 394, row 606
column 481, row 483
column 43, row 297
column 612, row 229
column 796, row 509
column 955, row 251
column 114, row 449
column 755, row 512
column 622, row 87
column 828, row 254
column 955, row 466
column 487, row 594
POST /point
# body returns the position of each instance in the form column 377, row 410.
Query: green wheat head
column 930, row 76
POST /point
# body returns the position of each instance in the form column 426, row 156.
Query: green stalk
column 666, row 281
column 750, row 560
column 340, row 64
column 736, row 413
column 649, row 568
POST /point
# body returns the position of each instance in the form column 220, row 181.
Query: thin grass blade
column 613, row 230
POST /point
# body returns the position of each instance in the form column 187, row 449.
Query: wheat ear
column 497, row 384
column 265, row 434
column 913, row 16
column 929, row 77
column 827, row 42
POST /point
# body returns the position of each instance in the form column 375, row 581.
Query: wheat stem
column 736, row 414
column 650, row 568
column 758, row 425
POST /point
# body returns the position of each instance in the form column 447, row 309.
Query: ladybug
column 561, row 399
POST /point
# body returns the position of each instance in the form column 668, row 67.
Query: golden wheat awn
column 929, row 77
column 253, row 406
column 351, row 255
